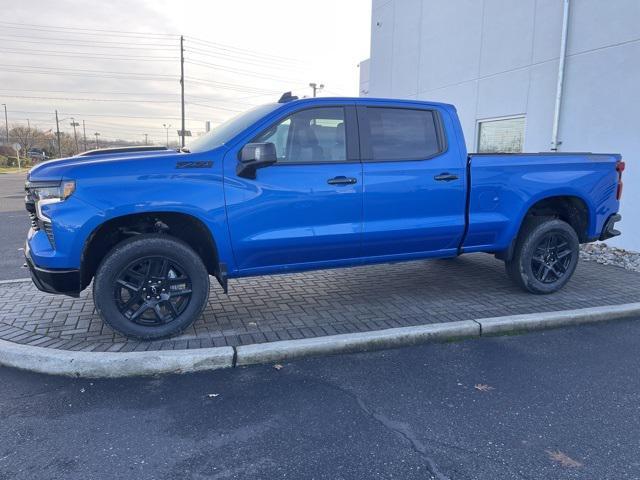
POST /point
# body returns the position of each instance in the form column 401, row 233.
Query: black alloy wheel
column 545, row 255
column 551, row 258
column 151, row 286
column 152, row 291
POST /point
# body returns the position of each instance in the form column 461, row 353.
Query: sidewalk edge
column 355, row 342
column 112, row 364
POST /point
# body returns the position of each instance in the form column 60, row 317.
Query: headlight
column 60, row 191
column 46, row 193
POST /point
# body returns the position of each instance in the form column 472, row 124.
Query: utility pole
column 6, row 121
column 58, row 135
column 75, row 124
column 97, row 134
column 84, row 134
column 316, row 87
column 181, row 88
column 167, row 127
column 146, row 138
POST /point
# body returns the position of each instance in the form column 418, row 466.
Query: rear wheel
column 151, row 286
column 545, row 256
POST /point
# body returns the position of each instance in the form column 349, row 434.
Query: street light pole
column 146, row 138
column 75, row 124
column 58, row 135
column 316, row 87
column 167, row 127
column 6, row 121
column 181, row 88
column 97, row 134
column 84, row 134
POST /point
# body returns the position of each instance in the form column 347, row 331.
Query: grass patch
column 4, row 170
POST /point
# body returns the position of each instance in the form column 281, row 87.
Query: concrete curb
column 111, row 364
column 16, row 280
column 355, row 342
column 539, row 321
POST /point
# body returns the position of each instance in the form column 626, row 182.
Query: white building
column 498, row 62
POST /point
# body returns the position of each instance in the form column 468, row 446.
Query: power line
column 81, row 70
column 89, row 42
column 214, row 107
column 120, row 77
column 93, row 32
column 85, row 31
column 106, row 56
column 236, row 59
column 66, row 99
column 89, row 93
column 241, row 71
column 238, row 50
column 154, row 94
column 104, row 115
column 239, row 57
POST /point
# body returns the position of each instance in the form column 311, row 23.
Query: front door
column 306, row 210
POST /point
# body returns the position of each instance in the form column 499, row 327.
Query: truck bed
column 504, row 187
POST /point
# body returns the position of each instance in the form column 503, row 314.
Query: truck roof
column 292, row 99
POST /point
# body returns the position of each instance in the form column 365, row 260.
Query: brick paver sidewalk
column 265, row 309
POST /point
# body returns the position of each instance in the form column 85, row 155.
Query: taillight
column 619, row 168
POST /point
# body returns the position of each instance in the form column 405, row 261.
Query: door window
column 309, row 136
column 402, row 134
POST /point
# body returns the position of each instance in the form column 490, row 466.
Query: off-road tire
column 524, row 268
column 146, row 248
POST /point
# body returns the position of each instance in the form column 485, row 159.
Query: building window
column 502, row 135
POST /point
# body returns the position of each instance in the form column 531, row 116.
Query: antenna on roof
column 287, row 97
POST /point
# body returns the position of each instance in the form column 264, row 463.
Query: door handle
column 342, row 180
column 445, row 177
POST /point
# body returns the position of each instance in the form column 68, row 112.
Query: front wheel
column 545, row 256
column 151, row 286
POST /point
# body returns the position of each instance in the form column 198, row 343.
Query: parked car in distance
column 306, row 184
column 37, row 154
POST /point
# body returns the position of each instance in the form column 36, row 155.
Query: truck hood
column 54, row 170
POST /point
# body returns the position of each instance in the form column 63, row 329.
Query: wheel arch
column 573, row 209
column 183, row 226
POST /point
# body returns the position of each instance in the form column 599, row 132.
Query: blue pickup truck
column 306, row 184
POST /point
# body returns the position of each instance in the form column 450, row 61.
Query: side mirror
column 254, row 156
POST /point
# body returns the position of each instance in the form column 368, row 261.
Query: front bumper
column 66, row 282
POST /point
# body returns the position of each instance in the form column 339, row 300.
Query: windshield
column 229, row 129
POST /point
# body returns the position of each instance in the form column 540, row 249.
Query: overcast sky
column 78, row 57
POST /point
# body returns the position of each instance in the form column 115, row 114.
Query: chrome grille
column 34, row 221
column 48, row 229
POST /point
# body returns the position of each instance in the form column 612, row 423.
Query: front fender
column 106, row 191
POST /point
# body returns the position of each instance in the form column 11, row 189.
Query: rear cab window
column 400, row 134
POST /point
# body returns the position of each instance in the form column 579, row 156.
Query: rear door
column 414, row 180
column 306, row 210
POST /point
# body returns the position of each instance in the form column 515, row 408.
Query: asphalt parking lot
column 14, row 225
column 553, row 404
column 559, row 404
